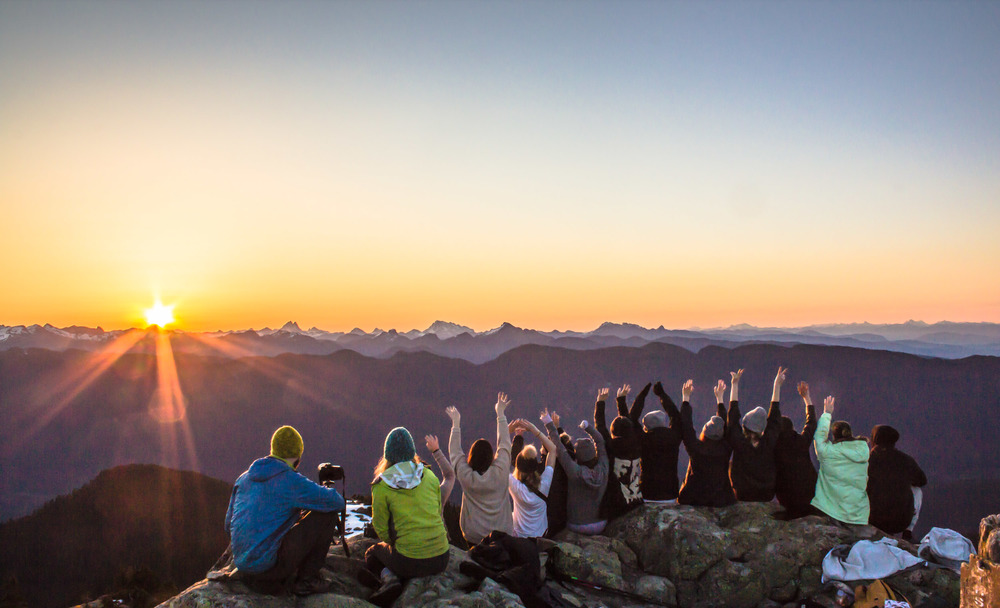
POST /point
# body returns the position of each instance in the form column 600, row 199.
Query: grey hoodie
column 586, row 486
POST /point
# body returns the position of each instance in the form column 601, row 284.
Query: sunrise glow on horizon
column 552, row 165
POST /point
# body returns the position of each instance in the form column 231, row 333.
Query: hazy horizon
column 549, row 164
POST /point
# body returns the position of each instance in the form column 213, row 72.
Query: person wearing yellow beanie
column 280, row 523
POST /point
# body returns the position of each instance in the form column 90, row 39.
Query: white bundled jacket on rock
column 867, row 560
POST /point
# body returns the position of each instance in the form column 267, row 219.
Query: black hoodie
column 891, row 474
column 624, row 459
column 795, row 481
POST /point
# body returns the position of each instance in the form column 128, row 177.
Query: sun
column 160, row 315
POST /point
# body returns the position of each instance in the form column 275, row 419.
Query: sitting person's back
column 661, row 442
column 892, row 475
column 706, row 483
column 795, row 481
column 279, row 521
column 843, row 470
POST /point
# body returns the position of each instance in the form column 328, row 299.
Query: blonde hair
column 529, row 478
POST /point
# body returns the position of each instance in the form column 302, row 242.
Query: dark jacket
column 752, row 470
column 624, row 459
column 660, row 447
column 706, row 483
column 795, row 481
column 556, row 504
column 891, row 474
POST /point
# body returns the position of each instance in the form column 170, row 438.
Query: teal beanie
column 399, row 446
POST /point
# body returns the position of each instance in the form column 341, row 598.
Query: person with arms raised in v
column 752, row 438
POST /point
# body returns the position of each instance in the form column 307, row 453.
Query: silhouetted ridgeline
column 138, row 516
column 345, row 403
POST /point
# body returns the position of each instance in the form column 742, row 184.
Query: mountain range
column 945, row 339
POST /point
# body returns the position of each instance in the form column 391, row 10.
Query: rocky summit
column 658, row 555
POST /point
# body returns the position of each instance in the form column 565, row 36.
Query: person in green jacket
column 841, row 489
column 406, row 515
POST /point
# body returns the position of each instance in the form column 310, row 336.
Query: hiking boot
column 311, row 585
column 387, row 594
column 367, row 578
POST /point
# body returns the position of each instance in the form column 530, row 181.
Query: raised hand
column 658, row 389
column 736, row 376
column 624, row 391
column 502, row 403
column 555, row 419
column 516, row 427
column 828, row 405
column 432, row 443
column 584, row 424
column 720, row 391
column 602, row 395
column 546, row 418
column 780, row 378
column 688, row 388
column 804, row 392
column 453, row 413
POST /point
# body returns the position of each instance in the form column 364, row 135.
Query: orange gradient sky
column 552, row 165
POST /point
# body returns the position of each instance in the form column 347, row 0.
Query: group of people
column 281, row 526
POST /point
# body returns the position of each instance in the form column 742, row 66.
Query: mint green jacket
column 841, row 490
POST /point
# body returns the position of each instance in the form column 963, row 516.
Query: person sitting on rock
column 447, row 471
column 843, row 470
column 587, row 477
column 484, row 477
column 624, row 455
column 752, row 470
column 660, row 444
column 530, row 483
column 894, row 482
column 795, row 480
column 706, row 483
column 406, row 515
column 555, row 509
column 280, row 523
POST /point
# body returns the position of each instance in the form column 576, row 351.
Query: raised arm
column 455, row 452
column 668, row 404
column 548, row 444
column 811, row 420
column 635, row 412
column 447, row 471
column 821, row 440
column 503, row 434
column 779, row 379
column 621, row 399
column 600, row 422
column 720, row 393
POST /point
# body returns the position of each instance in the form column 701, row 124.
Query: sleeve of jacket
column 310, row 495
column 671, row 409
column 447, row 474
column 773, row 424
column 917, row 478
column 635, row 413
column 622, row 405
column 229, row 511
column 688, row 435
column 809, row 430
column 380, row 513
column 502, row 458
column 821, row 440
column 463, row 472
column 569, row 465
column 734, row 427
column 600, row 422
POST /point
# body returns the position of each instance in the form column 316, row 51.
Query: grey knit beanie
column 755, row 420
column 654, row 420
column 714, row 428
column 585, row 450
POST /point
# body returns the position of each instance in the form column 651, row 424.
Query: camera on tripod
column 328, row 474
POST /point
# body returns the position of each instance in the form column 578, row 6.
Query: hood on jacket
column 404, row 475
column 621, row 427
column 266, row 468
column 885, row 436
